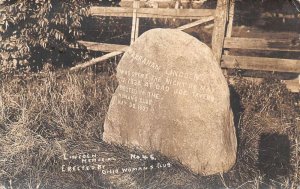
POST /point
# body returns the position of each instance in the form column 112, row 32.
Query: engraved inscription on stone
column 140, row 91
column 173, row 98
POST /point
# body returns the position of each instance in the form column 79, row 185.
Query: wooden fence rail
column 222, row 40
column 261, row 63
column 261, row 44
column 152, row 13
column 254, row 44
column 102, row 47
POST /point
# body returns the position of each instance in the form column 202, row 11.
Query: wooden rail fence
column 260, row 44
column 222, row 40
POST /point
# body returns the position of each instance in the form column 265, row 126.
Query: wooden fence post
column 230, row 22
column 229, row 29
column 230, row 17
column 135, row 22
column 221, row 16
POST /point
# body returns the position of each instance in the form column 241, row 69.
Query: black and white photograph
column 149, row 94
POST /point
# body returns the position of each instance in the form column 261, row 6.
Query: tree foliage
column 38, row 28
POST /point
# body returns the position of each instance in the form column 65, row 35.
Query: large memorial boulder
column 173, row 98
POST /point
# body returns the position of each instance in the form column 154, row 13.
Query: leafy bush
column 34, row 31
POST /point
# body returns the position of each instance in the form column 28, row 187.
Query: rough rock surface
column 173, row 98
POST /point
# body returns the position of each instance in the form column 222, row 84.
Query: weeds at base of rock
column 44, row 117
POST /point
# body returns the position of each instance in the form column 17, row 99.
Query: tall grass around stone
column 44, row 116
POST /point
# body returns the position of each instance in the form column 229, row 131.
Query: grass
column 44, row 116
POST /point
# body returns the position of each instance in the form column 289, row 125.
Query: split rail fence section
column 260, row 44
column 222, row 40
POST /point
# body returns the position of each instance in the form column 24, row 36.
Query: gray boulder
column 173, row 98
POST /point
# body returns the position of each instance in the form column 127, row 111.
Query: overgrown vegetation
column 267, row 119
column 44, row 116
column 33, row 33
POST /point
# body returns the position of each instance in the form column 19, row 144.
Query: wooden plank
column 230, row 22
column 162, row 3
column 279, row 15
column 174, row 13
column 230, row 18
column 137, row 26
column 99, row 59
column 111, row 11
column 292, row 85
column 196, row 23
column 219, row 28
column 135, row 22
column 250, row 32
column 152, row 13
column 103, row 47
column 149, row 4
column 261, row 63
column 262, row 44
column 269, row 14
